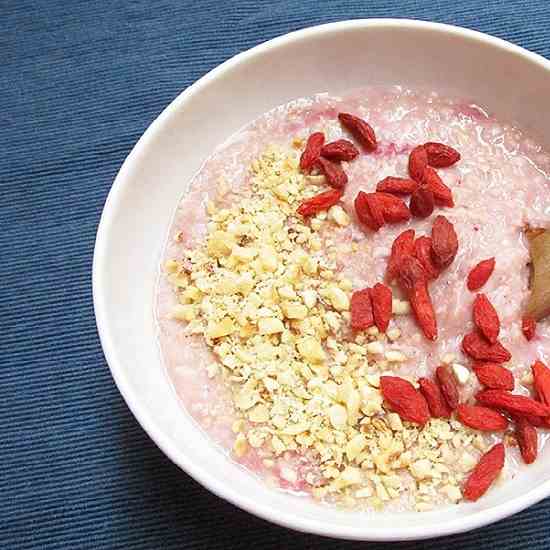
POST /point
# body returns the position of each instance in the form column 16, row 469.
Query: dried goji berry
column 405, row 399
column 485, row 473
column 481, row 418
column 360, row 130
column 363, row 213
column 537, row 421
column 494, row 376
column 478, row 348
column 436, row 402
column 527, row 438
column 421, row 304
column 334, row 174
column 381, row 297
column 528, row 327
column 444, row 242
column 448, row 384
column 312, row 151
column 361, row 310
column 394, row 209
column 486, row 318
column 402, row 246
column 341, row 149
column 410, row 273
column 443, row 196
column 423, row 253
column 516, row 404
column 480, row 273
column 440, row 155
column 541, row 381
column 322, row 201
column 398, row 186
column 418, row 160
column 422, row 202
column 376, row 209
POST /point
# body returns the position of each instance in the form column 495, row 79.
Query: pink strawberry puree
column 500, row 184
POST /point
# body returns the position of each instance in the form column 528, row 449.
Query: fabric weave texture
column 80, row 81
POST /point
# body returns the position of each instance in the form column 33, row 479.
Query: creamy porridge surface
column 359, row 453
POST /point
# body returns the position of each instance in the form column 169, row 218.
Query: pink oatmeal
column 254, row 299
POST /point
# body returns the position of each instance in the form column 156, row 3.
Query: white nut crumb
column 338, row 298
column 400, row 307
column 467, row 462
column 527, row 378
column 448, row 358
column 338, row 416
column 240, row 446
column 452, row 492
column 393, row 334
column 309, row 297
column 421, row 469
column 394, row 422
column 395, row 356
column 461, row 373
column 375, row 348
column 270, row 325
column 338, row 215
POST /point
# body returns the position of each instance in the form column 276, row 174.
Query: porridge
column 347, row 304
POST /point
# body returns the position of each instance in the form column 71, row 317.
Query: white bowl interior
column 514, row 84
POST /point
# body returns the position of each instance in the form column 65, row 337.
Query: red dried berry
column 486, row 318
column 481, row 418
column 541, row 381
column 376, row 209
column 423, row 253
column 440, row 155
column 479, row 349
column 341, row 149
column 515, row 404
column 485, row 473
column 421, row 304
column 433, row 395
column 361, row 310
column 444, row 242
column 334, row 174
column 363, row 213
column 320, row 202
column 480, row 274
column 494, row 376
column 418, row 160
column 443, row 196
column 528, row 327
column 394, row 209
column 360, row 130
column 527, row 438
column 312, row 151
column 448, row 384
column 402, row 246
column 422, row 202
column 381, row 297
column 397, row 186
column 405, row 399
column 410, row 273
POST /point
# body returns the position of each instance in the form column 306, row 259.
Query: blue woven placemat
column 79, row 83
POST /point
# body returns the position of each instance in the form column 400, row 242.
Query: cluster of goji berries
column 497, row 406
column 414, row 262
column 425, row 187
column 326, row 158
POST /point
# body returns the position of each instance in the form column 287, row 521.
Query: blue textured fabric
column 80, row 81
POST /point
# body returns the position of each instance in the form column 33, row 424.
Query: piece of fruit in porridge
column 346, row 306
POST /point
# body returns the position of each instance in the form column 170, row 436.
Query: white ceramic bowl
column 514, row 83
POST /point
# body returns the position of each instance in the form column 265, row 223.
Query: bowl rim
column 196, row 471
